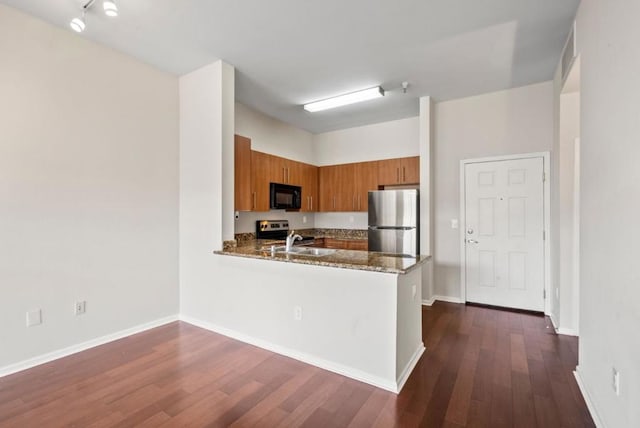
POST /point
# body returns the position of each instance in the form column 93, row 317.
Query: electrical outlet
column 34, row 318
column 304, row 218
column 454, row 223
column 81, row 307
column 237, row 215
column 297, row 313
column 616, row 381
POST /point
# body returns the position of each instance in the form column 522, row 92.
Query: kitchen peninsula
column 357, row 313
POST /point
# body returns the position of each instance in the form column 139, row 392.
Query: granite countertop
column 345, row 259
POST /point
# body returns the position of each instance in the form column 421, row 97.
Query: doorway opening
column 565, row 313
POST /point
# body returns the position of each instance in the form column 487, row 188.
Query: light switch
column 454, row 223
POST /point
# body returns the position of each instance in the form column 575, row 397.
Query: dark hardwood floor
column 482, row 368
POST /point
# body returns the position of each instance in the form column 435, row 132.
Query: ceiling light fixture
column 346, row 99
column 78, row 24
column 110, row 8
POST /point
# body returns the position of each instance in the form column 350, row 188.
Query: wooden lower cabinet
column 346, row 244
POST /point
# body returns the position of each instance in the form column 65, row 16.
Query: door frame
column 546, row 188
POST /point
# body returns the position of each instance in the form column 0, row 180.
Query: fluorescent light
column 343, row 100
column 110, row 8
column 77, row 25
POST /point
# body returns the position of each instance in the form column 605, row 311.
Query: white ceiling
column 288, row 52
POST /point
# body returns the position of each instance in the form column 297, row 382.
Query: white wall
column 205, row 121
column 610, row 207
column 569, row 131
column 269, row 135
column 507, row 122
column 88, row 189
column 386, row 140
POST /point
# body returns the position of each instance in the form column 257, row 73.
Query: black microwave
column 284, row 197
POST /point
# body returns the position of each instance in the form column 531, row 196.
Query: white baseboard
column 587, row 399
column 567, row 331
column 562, row 330
column 447, row 299
column 353, row 373
column 408, row 369
column 60, row 353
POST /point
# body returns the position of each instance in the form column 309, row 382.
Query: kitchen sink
column 312, row 251
column 304, row 251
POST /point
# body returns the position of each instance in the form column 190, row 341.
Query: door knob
column 469, row 231
column 472, row 241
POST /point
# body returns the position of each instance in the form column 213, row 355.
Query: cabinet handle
column 334, row 202
column 254, row 201
column 359, row 205
column 404, row 174
column 311, row 208
column 288, row 175
column 397, row 175
column 284, row 176
column 353, row 202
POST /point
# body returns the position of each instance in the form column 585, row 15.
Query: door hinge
column 544, row 176
column 544, row 294
column 544, row 235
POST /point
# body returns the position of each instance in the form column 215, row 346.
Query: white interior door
column 504, row 226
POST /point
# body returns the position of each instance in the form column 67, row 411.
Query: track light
column 78, row 24
column 110, row 8
column 343, row 100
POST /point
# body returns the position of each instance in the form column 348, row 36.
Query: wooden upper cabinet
column 345, row 187
column 328, row 183
column 309, row 183
column 411, row 170
column 365, row 179
column 262, row 172
column 399, row 171
column 286, row 171
column 242, row 174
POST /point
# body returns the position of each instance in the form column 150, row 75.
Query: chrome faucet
column 290, row 240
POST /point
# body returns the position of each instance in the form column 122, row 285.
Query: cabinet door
column 242, row 174
column 309, row 184
column 345, row 194
column 294, row 172
column 389, row 172
column 261, row 175
column 358, row 244
column 336, row 184
column 327, row 179
column 410, row 172
column 365, row 179
column 338, row 244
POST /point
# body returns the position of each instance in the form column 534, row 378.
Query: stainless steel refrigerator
column 394, row 220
